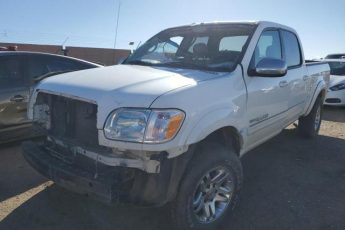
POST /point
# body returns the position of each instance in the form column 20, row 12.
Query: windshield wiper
column 49, row 74
column 138, row 62
column 191, row 66
column 183, row 64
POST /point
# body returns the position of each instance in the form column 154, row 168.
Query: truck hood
column 123, row 85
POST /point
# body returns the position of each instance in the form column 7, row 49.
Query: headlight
column 163, row 125
column 143, row 125
column 338, row 87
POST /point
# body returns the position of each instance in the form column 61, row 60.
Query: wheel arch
column 320, row 91
column 322, row 94
column 228, row 136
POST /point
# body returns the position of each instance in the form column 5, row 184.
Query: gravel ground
column 290, row 183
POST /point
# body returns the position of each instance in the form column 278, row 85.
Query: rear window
column 11, row 71
column 232, row 43
column 198, row 40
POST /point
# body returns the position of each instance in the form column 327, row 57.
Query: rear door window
column 232, row 43
column 291, row 48
column 11, row 71
column 56, row 64
column 39, row 65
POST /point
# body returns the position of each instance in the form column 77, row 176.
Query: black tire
column 208, row 156
column 309, row 125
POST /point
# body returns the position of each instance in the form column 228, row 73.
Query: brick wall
column 98, row 55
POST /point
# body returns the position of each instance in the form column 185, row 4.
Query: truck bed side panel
column 317, row 77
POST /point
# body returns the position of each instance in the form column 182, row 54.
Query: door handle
column 305, row 77
column 17, row 98
column 283, row 84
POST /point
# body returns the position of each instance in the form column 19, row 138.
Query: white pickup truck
column 171, row 122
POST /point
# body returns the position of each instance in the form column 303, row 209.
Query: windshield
column 337, row 68
column 213, row 47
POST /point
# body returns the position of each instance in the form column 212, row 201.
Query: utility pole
column 117, row 23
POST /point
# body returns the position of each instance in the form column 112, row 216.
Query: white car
column 335, row 56
column 171, row 123
column 336, row 91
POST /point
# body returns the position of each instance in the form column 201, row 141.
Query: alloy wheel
column 213, row 194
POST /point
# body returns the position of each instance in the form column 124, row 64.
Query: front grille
column 70, row 119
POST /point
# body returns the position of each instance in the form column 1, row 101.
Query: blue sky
column 319, row 23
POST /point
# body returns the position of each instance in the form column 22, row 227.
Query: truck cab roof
column 247, row 22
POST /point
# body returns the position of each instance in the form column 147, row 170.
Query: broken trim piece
column 66, row 95
column 149, row 166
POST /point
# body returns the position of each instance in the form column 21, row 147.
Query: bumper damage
column 104, row 186
column 120, row 181
column 139, row 161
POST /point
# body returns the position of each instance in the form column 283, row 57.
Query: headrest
column 200, row 50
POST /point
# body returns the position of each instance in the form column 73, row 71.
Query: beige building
column 98, row 55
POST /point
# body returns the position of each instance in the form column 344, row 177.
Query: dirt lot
column 290, row 183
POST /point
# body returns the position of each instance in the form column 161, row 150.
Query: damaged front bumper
column 142, row 162
column 121, row 181
column 104, row 185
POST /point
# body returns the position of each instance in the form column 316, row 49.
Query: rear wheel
column 309, row 125
column 209, row 189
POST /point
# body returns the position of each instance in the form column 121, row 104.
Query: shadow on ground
column 290, row 183
column 293, row 183
column 16, row 176
column 56, row 208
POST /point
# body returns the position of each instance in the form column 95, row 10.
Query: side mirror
column 271, row 67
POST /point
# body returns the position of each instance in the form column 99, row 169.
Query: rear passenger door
column 14, row 91
column 295, row 75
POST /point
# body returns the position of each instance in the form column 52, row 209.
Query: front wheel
column 309, row 125
column 209, row 189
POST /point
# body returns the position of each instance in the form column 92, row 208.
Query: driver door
column 267, row 96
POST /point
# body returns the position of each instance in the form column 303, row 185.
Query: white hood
column 123, row 85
